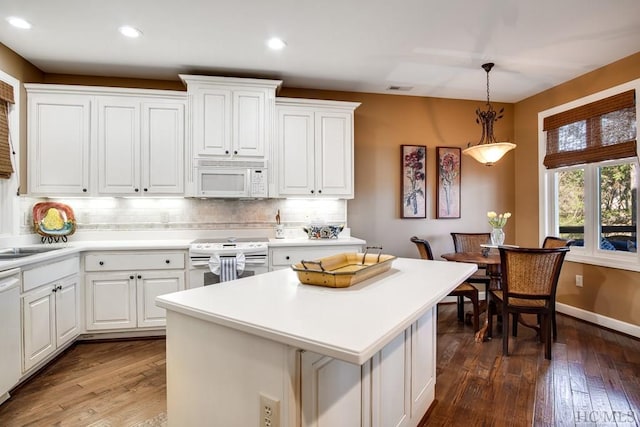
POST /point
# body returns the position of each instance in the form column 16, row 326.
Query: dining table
column 490, row 260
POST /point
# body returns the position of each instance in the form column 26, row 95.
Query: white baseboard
column 600, row 320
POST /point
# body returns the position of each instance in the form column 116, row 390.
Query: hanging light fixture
column 488, row 150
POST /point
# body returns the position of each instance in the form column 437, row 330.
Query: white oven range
column 254, row 249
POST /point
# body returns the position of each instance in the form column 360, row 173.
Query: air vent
column 400, row 88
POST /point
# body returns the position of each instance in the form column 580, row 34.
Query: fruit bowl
column 323, row 231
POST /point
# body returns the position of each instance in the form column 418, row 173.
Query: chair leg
column 546, row 327
column 460, row 309
column 505, row 332
column 476, row 312
column 490, row 310
column 514, row 327
column 554, row 325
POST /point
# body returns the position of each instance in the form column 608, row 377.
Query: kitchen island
column 307, row 355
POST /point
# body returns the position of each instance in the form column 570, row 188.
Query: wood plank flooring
column 593, row 380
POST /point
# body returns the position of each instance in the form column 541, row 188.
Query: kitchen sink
column 13, row 253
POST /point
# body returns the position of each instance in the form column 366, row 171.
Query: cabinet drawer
column 113, row 261
column 49, row 273
column 288, row 256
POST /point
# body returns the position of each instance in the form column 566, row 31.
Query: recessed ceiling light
column 276, row 44
column 18, row 22
column 130, row 32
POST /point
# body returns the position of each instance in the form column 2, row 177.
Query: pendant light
column 488, row 151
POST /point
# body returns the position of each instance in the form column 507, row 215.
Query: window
column 589, row 176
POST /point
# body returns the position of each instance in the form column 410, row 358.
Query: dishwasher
column 9, row 331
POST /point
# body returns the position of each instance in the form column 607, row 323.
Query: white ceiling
column 435, row 47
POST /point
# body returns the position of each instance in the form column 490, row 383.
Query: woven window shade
column 601, row 130
column 6, row 169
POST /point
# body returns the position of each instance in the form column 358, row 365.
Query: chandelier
column 488, row 151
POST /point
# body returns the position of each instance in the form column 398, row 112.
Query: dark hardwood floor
column 593, row 380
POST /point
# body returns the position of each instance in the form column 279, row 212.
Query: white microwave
column 231, row 179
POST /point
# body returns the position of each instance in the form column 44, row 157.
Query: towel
column 227, row 267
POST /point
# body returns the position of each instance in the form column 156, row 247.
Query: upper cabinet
column 105, row 141
column 59, row 133
column 140, row 146
column 314, row 149
column 231, row 118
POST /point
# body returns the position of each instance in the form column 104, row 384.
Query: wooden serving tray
column 342, row 270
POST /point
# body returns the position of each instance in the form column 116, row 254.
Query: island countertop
column 350, row 324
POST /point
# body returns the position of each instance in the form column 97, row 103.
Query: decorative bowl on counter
column 323, row 231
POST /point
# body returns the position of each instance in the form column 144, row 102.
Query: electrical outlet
column 579, row 280
column 269, row 411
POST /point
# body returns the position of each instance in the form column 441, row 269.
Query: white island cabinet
column 357, row 356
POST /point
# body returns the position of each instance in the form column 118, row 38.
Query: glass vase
column 497, row 236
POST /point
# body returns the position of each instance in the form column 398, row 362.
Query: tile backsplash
column 146, row 214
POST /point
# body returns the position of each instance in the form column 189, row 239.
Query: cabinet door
column 110, row 300
column 162, row 148
column 391, row 398
column 331, row 392
column 423, row 364
column 118, row 145
column 67, row 299
column 59, row 139
column 334, row 154
column 38, row 327
column 212, row 122
column 151, row 284
column 296, row 175
column 249, row 131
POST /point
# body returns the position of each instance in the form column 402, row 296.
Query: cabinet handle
column 136, row 190
column 55, row 289
column 319, row 191
column 101, row 263
column 132, row 277
column 287, row 257
column 59, row 287
column 312, row 191
column 84, row 190
column 145, row 190
column 235, row 152
column 168, row 261
column 139, row 276
column 226, row 151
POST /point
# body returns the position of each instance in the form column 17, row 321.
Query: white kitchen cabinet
column 331, row 392
column 314, row 149
column 59, row 135
column 140, row 146
column 121, row 288
column 394, row 388
column 50, row 310
column 231, row 117
column 105, row 141
column 283, row 256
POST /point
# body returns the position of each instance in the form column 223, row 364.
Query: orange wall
column 610, row 292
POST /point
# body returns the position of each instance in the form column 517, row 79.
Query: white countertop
column 351, row 324
column 70, row 248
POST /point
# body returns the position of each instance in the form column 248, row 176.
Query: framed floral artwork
column 448, row 188
column 414, row 202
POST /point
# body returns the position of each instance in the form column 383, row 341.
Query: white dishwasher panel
column 9, row 331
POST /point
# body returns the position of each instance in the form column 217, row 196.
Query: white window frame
column 590, row 253
column 9, row 201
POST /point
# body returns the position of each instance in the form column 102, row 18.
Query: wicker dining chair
column 528, row 285
column 470, row 242
column 553, row 242
column 465, row 289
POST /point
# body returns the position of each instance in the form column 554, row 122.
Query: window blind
column 6, row 98
column 601, row 130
